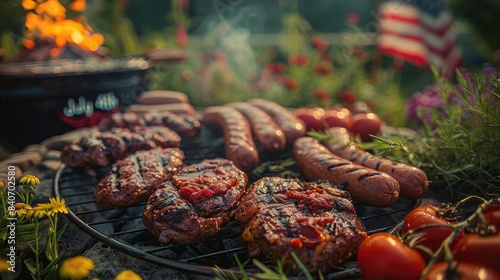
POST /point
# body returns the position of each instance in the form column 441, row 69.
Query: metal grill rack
column 122, row 229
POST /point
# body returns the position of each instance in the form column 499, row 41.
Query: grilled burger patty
column 314, row 220
column 184, row 125
column 102, row 148
column 196, row 203
column 134, row 178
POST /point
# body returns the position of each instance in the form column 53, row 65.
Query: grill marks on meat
column 184, row 125
column 102, row 148
column 365, row 185
column 134, row 178
column 196, row 203
column 314, row 220
column 238, row 140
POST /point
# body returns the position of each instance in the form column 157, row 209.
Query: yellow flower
column 128, row 275
column 77, row 5
column 78, row 267
column 4, row 265
column 29, row 180
column 37, row 212
column 28, row 4
column 23, row 209
column 2, row 185
column 58, row 205
column 55, row 205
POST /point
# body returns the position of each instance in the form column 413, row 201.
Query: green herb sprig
column 459, row 146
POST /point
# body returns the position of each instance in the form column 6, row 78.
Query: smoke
column 229, row 26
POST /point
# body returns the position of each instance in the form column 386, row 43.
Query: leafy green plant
column 265, row 272
column 459, row 136
column 21, row 231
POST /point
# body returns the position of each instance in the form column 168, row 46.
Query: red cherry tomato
column 383, row 256
column 311, row 117
column 460, row 271
column 337, row 118
column 492, row 216
column 364, row 124
column 481, row 250
column 432, row 237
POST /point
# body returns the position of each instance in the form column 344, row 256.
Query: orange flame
column 47, row 19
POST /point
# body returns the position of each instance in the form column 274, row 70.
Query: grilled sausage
column 162, row 97
column 266, row 131
column 238, row 141
column 291, row 125
column 176, row 108
column 413, row 182
column 367, row 186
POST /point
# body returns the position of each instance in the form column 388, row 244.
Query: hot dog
column 367, row 186
column 176, row 108
column 153, row 97
column 413, row 182
column 239, row 145
column 266, row 131
column 291, row 125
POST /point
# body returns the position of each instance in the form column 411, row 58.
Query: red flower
column 326, row 57
column 214, row 56
column 321, row 94
column 299, row 60
column 398, row 63
column 181, row 36
column 353, row 18
column 258, row 86
column 323, row 69
column 348, row 97
column 359, row 52
column 319, row 43
column 184, row 5
column 276, row 67
column 289, row 83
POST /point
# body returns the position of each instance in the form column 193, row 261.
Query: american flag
column 419, row 31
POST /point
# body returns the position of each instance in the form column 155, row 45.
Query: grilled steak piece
column 134, row 178
column 184, row 125
column 196, row 203
column 314, row 220
column 102, row 148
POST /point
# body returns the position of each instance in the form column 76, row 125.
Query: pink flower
column 322, row 95
column 298, row 59
column 326, row 57
column 181, row 36
column 258, row 86
column 359, row 53
column 348, row 96
column 276, row 67
column 289, row 83
column 184, row 4
column 323, row 69
column 353, row 18
column 319, row 43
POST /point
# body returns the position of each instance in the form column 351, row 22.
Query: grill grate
column 122, row 229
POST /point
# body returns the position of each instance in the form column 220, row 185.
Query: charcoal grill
column 122, row 229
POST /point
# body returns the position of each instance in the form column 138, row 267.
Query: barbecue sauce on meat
column 315, row 220
column 196, row 203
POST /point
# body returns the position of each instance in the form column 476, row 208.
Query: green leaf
column 3, row 233
column 25, row 233
column 31, row 266
column 301, row 266
column 61, row 231
column 50, row 266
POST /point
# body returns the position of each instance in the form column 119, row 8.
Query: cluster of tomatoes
column 434, row 243
column 362, row 124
